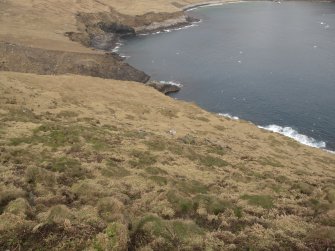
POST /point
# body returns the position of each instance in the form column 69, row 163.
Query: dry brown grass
column 82, row 166
column 43, row 23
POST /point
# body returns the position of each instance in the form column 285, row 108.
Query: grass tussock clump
column 264, row 201
column 142, row 159
column 114, row 169
column 158, row 234
column 114, row 237
column 84, row 173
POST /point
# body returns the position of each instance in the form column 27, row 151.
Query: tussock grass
column 21, row 114
column 264, row 201
column 156, row 145
column 85, row 176
column 142, row 159
column 270, row 162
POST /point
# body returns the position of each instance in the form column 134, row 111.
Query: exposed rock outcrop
column 103, row 29
column 165, row 88
column 47, row 62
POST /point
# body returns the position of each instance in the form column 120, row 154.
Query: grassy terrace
column 91, row 164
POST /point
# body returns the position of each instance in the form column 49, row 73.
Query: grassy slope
column 42, row 23
column 92, row 163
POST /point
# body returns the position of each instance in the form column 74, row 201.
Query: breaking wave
column 169, row 30
column 293, row 134
column 288, row 132
column 176, row 83
column 227, row 115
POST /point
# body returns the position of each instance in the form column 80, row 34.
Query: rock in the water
column 165, row 87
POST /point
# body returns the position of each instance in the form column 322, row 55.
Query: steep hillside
column 55, row 37
column 93, row 164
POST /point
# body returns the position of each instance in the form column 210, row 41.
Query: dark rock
column 48, row 62
column 164, row 87
column 191, row 19
column 104, row 41
column 116, row 28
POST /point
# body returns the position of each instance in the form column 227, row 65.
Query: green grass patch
column 159, row 180
column 204, row 119
column 317, row 205
column 205, row 160
column 303, row 187
column 21, row 115
column 181, row 203
column 176, row 148
column 212, row 204
column 142, row 159
column 51, row 135
column 169, row 113
column 216, row 149
column 174, row 232
column 191, row 187
column 156, row 145
column 155, row 170
column 137, row 134
column 292, row 143
column 63, row 164
column 264, row 201
column 113, row 169
column 269, row 162
column 210, row 161
column 59, row 136
column 188, row 139
column 67, row 114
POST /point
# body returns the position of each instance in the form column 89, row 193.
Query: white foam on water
column 210, row 5
column 293, row 134
column 176, row 83
column 288, row 132
column 117, row 47
column 205, row 5
column 227, row 115
column 181, row 28
column 124, row 56
column 169, row 30
column 192, row 9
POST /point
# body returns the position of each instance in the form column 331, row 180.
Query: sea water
column 270, row 63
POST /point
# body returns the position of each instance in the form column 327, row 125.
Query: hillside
column 97, row 164
column 92, row 160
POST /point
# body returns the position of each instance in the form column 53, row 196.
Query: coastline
column 286, row 131
column 92, row 163
column 213, row 3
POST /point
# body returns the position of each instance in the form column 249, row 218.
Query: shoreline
column 110, row 30
column 89, row 162
column 214, row 3
column 286, row 131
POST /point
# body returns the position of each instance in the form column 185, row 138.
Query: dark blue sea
column 270, row 63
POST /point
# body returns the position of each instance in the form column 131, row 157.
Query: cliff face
column 94, row 164
column 49, row 32
column 103, row 29
column 48, row 62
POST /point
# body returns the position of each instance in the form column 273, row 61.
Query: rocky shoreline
column 94, row 163
column 100, row 31
column 48, row 62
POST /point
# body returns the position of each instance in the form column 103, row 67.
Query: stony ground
column 93, row 164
